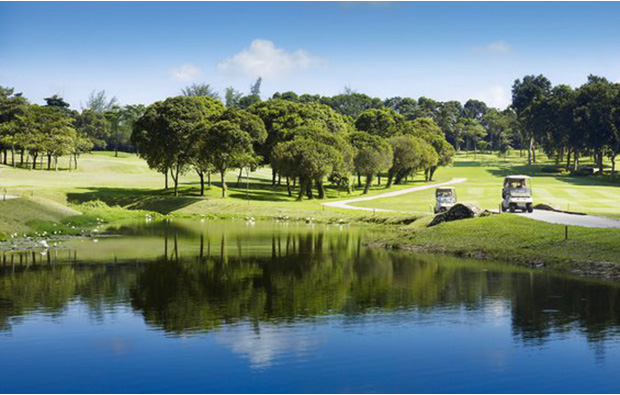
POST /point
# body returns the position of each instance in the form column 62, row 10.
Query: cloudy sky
column 143, row 52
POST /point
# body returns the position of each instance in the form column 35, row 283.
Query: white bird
column 44, row 244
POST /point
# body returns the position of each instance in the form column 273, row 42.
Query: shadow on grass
column 163, row 202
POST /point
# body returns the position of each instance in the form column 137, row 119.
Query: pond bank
column 589, row 252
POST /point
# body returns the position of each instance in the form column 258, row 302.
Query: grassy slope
column 20, row 215
column 513, row 238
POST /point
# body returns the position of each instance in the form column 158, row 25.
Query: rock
column 457, row 212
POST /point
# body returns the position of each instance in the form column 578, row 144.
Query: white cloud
column 271, row 343
column 497, row 96
column 495, row 47
column 186, row 72
column 264, row 59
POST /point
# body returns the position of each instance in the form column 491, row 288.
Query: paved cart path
column 589, row 221
column 346, row 203
column 553, row 217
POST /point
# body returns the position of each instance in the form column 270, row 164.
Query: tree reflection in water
column 189, row 279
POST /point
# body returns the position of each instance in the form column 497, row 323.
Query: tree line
column 38, row 135
column 306, row 144
column 570, row 123
column 347, row 139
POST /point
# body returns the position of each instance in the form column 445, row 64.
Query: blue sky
column 143, row 52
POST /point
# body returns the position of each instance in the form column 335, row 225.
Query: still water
column 272, row 307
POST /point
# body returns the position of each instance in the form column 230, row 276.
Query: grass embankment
column 587, row 251
column 30, row 216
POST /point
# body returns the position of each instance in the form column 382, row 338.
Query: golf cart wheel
column 530, row 208
column 513, row 208
column 503, row 208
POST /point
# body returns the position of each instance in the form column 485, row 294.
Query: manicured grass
column 595, row 195
column 127, row 181
column 513, row 238
column 25, row 215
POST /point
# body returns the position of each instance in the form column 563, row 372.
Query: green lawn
column 127, row 181
column 515, row 239
column 596, row 195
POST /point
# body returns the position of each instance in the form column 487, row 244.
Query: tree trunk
column 34, row 161
column 273, row 177
column 568, row 157
column 21, row 158
column 175, row 178
column 201, row 174
column 55, row 163
column 378, row 178
column 613, row 166
column 432, row 173
column 368, row 182
column 320, row 189
column 166, row 179
column 239, row 178
column 13, row 155
column 49, row 161
column 279, row 179
column 309, row 192
column 359, row 180
column 209, row 179
column 576, row 161
column 224, row 186
column 288, row 187
column 390, row 178
column 75, row 158
column 302, row 189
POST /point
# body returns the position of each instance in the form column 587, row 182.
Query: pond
column 190, row 306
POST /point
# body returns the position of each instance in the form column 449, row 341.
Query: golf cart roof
column 445, row 188
column 517, row 178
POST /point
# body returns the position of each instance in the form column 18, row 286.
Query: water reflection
column 189, row 278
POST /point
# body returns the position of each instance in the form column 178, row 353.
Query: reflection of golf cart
column 446, row 198
column 517, row 194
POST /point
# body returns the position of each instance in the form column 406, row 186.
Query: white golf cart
column 445, row 198
column 517, row 194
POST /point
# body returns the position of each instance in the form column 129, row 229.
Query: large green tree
column 373, row 154
column 281, row 117
column 311, row 154
column 167, row 134
column 383, row 122
column 229, row 143
column 525, row 93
